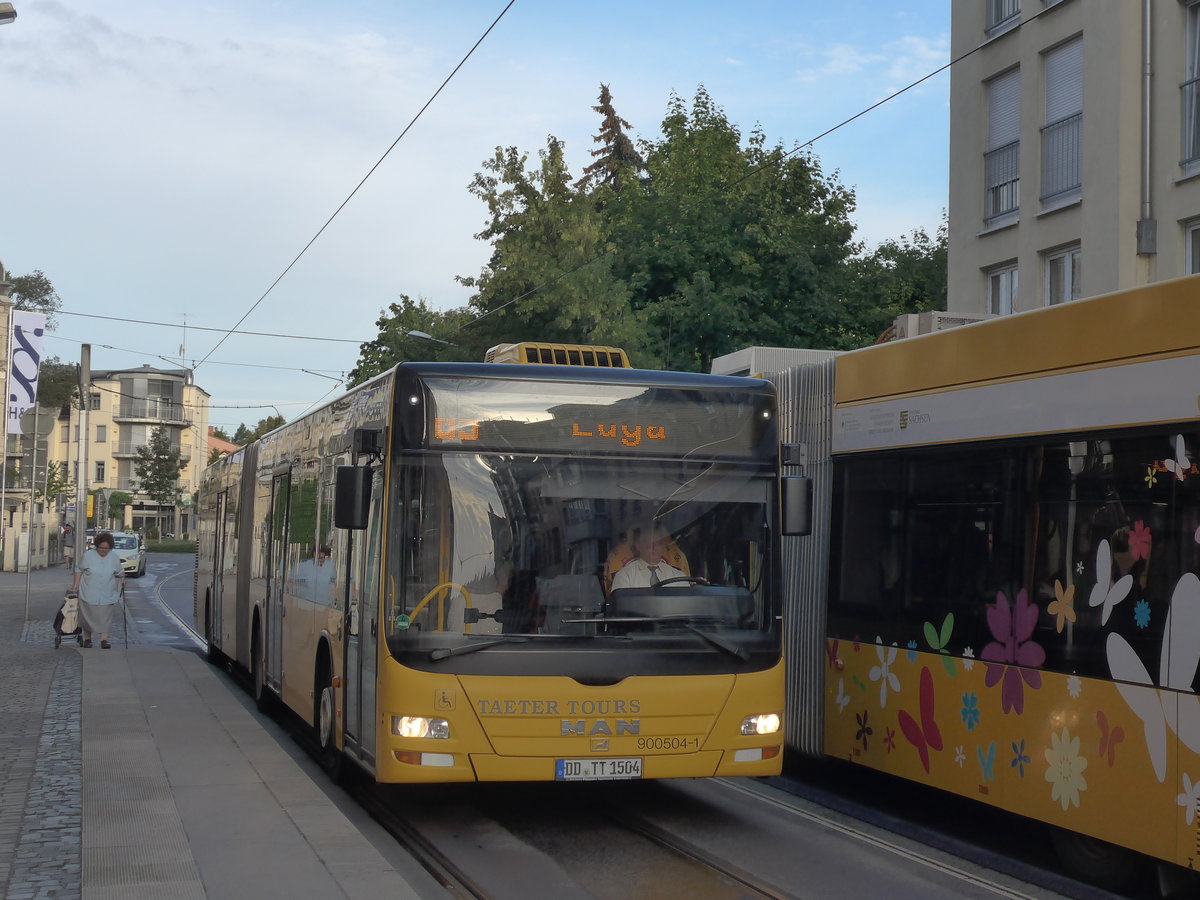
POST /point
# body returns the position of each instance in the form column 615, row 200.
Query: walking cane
column 124, row 618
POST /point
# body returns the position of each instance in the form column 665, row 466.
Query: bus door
column 218, row 572
column 276, row 573
column 362, row 630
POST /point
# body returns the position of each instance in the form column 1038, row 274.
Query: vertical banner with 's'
column 24, row 363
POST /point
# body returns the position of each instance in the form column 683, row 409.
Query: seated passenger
column 648, row 567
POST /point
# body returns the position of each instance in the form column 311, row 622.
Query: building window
column 99, row 470
column 64, row 433
column 93, row 401
column 1062, row 172
column 1064, row 273
column 1002, row 290
column 1002, row 180
column 1190, row 89
column 101, row 434
column 1191, row 237
column 1002, row 15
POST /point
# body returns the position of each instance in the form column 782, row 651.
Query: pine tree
column 617, row 160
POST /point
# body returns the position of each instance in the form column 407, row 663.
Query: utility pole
column 81, row 478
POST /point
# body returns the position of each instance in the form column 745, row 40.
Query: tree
column 900, row 276
column 221, row 434
column 617, row 160
column 117, row 501
column 58, row 383
column 395, row 344
column 157, row 465
column 35, row 292
column 697, row 244
column 725, row 245
column 215, row 454
column 550, row 277
column 58, row 481
column 245, row 435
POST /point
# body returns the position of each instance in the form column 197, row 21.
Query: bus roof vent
column 545, row 354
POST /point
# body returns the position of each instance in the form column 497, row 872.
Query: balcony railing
column 1061, row 157
column 130, row 448
column 1003, row 180
column 1189, row 95
column 155, row 410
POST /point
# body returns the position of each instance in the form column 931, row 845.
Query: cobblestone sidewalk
column 41, row 812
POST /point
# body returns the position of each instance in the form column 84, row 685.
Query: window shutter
column 1064, row 81
column 1004, row 109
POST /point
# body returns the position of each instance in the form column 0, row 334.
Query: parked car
column 131, row 550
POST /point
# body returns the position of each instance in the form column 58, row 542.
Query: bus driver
column 648, row 567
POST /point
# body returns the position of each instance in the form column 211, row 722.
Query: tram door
column 362, row 642
column 277, row 572
column 218, row 576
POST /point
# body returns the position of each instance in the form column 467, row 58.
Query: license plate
column 598, row 769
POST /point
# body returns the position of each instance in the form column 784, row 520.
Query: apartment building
column 124, row 408
column 1074, row 151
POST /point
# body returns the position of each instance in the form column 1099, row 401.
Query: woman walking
column 99, row 578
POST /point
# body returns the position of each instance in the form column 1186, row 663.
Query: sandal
column 87, row 644
column 105, row 645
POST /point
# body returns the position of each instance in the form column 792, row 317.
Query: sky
column 166, row 162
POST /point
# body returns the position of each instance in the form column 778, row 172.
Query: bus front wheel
column 325, row 723
column 258, row 673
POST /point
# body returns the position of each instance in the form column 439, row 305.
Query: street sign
column 45, row 420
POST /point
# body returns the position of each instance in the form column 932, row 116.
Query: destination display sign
column 599, row 418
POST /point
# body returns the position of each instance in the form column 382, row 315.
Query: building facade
column 1075, row 149
column 125, row 406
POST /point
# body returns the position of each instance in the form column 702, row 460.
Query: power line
column 182, row 362
column 227, row 331
column 370, row 172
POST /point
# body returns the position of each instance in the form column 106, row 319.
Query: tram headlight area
column 763, row 723
column 421, row 727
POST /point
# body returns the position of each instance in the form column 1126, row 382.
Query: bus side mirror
column 351, row 497
column 797, row 505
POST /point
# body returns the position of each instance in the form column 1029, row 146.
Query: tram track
column 455, row 880
column 523, row 860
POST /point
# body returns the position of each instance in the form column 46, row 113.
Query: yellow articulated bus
column 431, row 571
column 1009, row 605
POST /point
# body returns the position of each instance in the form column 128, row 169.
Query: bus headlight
column 420, row 727
column 764, row 723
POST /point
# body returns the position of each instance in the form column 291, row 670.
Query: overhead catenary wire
column 363, row 181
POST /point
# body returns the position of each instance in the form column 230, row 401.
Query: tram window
column 589, row 358
column 573, row 357
column 560, row 356
column 602, row 360
column 531, row 354
column 547, row 357
column 867, row 587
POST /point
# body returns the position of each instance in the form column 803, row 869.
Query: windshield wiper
column 715, row 640
column 444, row 652
column 720, row 643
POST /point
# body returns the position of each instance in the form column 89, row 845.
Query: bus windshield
column 494, row 544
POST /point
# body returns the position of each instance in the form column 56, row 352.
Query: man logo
column 600, row 745
column 903, row 419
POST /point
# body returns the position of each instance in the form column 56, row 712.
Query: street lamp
column 7, row 13
column 428, row 337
